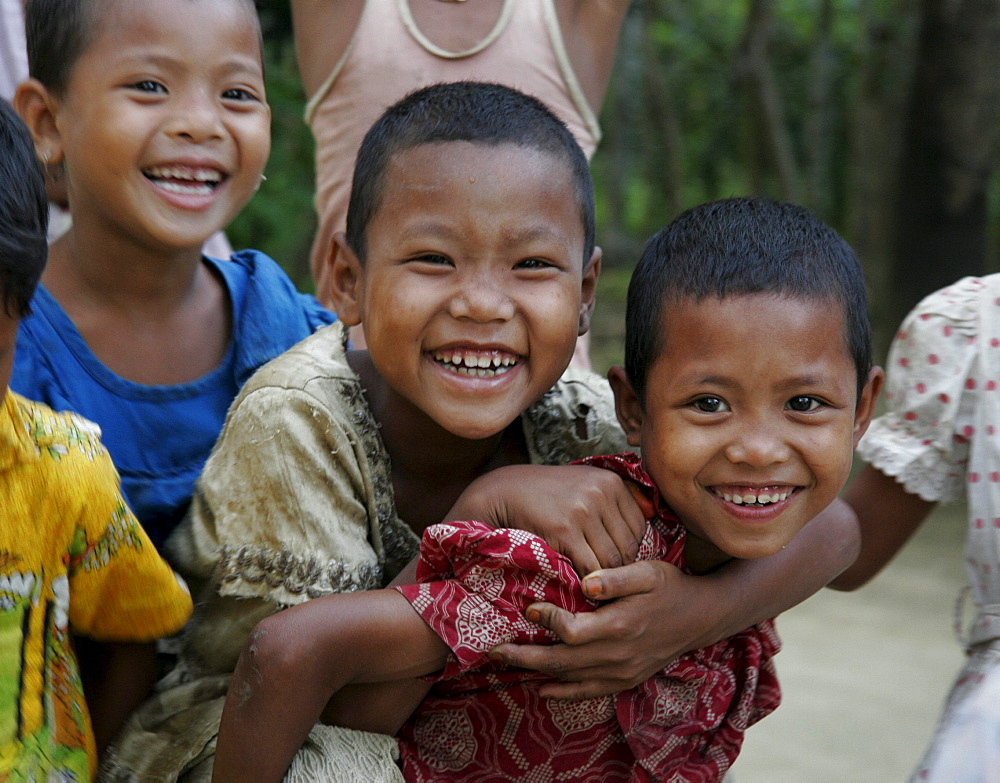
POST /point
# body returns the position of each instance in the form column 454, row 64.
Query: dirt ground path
column 864, row 674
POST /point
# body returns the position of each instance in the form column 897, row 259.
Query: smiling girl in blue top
column 157, row 113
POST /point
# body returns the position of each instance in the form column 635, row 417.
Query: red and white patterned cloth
column 485, row 722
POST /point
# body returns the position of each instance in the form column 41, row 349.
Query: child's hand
column 588, row 514
column 660, row 613
column 624, row 642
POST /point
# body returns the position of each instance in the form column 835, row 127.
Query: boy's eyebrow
column 517, row 236
column 806, row 380
column 238, row 63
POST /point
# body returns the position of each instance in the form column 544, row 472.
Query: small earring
column 45, row 158
column 263, row 177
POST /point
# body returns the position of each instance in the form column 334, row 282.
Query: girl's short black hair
column 743, row 246
column 59, row 31
column 477, row 112
column 24, row 215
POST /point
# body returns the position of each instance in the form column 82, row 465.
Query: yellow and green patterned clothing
column 73, row 560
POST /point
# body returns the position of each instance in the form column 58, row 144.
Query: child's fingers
column 587, row 663
column 583, row 555
column 627, row 525
column 642, row 501
column 609, row 583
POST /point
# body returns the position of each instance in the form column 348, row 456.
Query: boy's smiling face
column 750, row 419
column 163, row 126
column 474, row 286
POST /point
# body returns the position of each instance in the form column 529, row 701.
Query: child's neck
column 702, row 556
column 152, row 317
column 431, row 466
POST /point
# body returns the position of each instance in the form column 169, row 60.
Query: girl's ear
column 590, row 274
column 37, row 107
column 346, row 280
column 866, row 403
column 627, row 404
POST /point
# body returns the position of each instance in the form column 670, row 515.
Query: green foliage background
column 677, row 129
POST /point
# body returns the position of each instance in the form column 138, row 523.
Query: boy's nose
column 482, row 298
column 758, row 446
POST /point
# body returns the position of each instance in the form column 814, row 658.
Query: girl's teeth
column 177, row 187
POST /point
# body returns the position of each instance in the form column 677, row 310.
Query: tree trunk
column 875, row 144
column 769, row 151
column 949, row 148
column 818, row 141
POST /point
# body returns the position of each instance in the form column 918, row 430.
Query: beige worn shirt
column 296, row 502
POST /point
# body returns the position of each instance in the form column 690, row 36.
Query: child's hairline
column 91, row 27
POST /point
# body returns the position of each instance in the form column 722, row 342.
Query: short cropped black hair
column 59, row 31
column 477, row 112
column 24, row 215
column 743, row 246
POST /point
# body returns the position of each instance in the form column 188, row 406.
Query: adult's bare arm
column 657, row 612
column 323, row 30
column 590, row 31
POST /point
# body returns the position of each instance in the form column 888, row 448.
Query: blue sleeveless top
column 160, row 436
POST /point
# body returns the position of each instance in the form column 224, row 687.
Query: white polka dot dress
column 939, row 440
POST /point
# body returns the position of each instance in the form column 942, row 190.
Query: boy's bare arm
column 661, row 613
column 297, row 659
column 888, row 515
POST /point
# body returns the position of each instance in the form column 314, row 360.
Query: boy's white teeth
column 475, row 365
column 759, row 499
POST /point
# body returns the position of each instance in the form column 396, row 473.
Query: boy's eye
column 803, row 404
column 432, row 258
column 148, row 85
column 532, row 263
column 710, row 405
column 238, row 94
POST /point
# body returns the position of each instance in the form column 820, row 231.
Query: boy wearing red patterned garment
column 746, row 412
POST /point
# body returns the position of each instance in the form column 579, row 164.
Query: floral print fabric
column 486, row 722
column 73, row 559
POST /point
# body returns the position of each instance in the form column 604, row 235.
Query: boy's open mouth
column 754, row 498
column 185, row 180
column 476, row 364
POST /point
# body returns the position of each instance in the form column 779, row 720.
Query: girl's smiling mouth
column 476, row 364
column 185, row 180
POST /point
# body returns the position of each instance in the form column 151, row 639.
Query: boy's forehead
column 766, row 325
column 101, row 12
column 425, row 165
column 436, row 152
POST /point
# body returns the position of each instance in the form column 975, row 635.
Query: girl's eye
column 238, row 94
column 803, row 404
column 710, row 405
column 148, row 85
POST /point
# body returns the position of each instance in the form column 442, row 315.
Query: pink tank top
column 389, row 57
